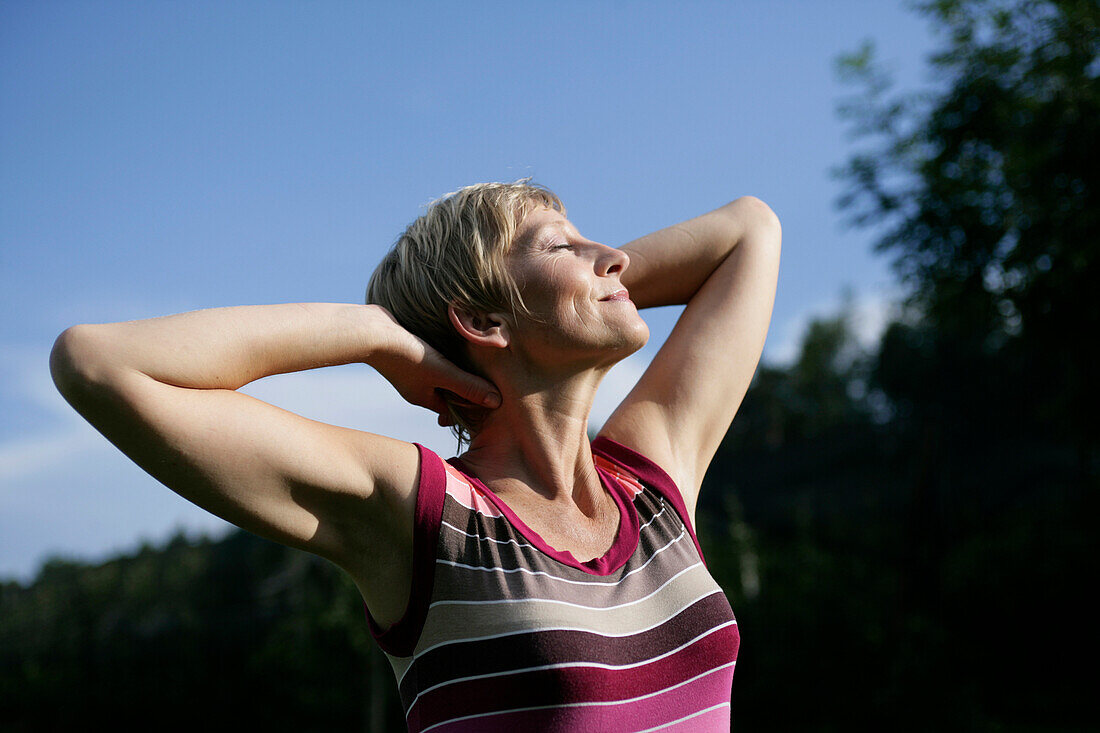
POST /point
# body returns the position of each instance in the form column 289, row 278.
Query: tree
column 988, row 190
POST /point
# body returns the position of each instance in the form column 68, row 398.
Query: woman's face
column 582, row 313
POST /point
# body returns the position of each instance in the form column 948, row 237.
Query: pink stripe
column 629, row 480
column 712, row 720
column 591, row 684
column 459, row 489
column 710, row 690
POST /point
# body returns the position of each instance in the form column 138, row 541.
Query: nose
column 611, row 261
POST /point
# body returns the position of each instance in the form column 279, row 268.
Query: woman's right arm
column 163, row 391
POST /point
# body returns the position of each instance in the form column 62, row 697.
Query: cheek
column 562, row 290
column 558, row 289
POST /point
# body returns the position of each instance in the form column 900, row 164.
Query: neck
column 537, row 440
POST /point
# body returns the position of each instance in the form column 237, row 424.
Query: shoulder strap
column 400, row 639
column 648, row 473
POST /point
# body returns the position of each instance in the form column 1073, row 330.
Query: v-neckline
column 622, row 547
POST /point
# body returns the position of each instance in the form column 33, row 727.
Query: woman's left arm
column 724, row 266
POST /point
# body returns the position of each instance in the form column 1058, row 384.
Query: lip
column 617, row 295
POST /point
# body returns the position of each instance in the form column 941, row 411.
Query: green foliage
column 241, row 631
column 988, row 189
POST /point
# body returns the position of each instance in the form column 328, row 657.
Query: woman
column 538, row 580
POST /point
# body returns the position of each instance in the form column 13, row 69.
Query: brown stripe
column 491, row 656
column 500, row 528
column 552, row 687
column 481, row 541
column 460, row 583
column 449, row 623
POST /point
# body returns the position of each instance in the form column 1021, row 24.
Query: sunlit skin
column 574, row 287
column 533, row 450
column 165, row 392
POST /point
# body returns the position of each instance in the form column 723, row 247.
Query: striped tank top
column 504, row 633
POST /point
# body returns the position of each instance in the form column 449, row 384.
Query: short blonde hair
column 455, row 253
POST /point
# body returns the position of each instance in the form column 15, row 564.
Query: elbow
column 751, row 218
column 64, row 364
column 74, row 362
column 758, row 212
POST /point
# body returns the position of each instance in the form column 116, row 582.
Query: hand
column 422, row 375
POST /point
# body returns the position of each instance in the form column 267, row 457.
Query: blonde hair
column 455, row 253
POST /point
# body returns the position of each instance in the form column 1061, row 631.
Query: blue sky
column 163, row 156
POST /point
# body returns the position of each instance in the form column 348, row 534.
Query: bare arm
column 163, row 391
column 669, row 266
column 724, row 266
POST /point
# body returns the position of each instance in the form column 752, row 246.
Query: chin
column 641, row 334
column 632, row 341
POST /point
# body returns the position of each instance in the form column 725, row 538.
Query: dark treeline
column 239, row 632
column 902, row 531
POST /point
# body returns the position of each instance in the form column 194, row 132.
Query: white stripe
column 655, row 516
column 523, row 544
column 569, row 665
column 601, row 609
column 610, row 583
column 687, row 717
column 609, row 635
column 487, row 539
column 582, row 704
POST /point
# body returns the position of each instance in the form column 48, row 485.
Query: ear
column 480, row 329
